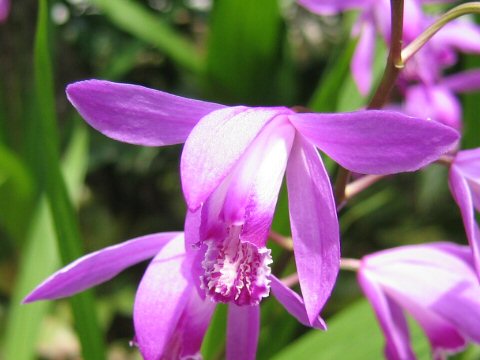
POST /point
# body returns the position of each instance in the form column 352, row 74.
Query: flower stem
column 460, row 10
column 392, row 69
column 361, row 184
column 283, row 241
column 350, row 264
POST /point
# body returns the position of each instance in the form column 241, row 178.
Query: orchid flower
column 464, row 181
column 232, row 167
column 171, row 312
column 4, row 10
column 438, row 101
column 435, row 283
column 428, row 64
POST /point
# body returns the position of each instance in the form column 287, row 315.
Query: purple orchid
column 171, row 312
column 464, row 181
column 438, row 101
column 436, row 284
column 4, row 10
column 428, row 64
column 232, row 168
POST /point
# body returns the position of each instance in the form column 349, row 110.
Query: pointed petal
column 162, row 296
column 362, row 62
column 390, row 317
column 135, row 114
column 100, row 266
column 294, row 304
column 462, row 82
column 376, row 141
column 314, row 223
column 462, row 35
column 253, row 189
column 242, row 332
column 215, row 146
column 463, row 197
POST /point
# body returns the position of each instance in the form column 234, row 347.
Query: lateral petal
column 376, row 141
column 294, row 304
column 315, row 231
column 242, row 332
column 362, row 62
column 161, row 300
column 216, row 144
column 100, row 266
column 136, row 114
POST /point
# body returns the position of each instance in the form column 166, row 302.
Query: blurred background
column 250, row 52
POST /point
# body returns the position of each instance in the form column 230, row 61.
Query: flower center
column 236, row 271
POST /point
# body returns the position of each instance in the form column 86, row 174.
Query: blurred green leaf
column 471, row 123
column 326, row 95
column 353, row 333
column 64, row 218
column 143, row 24
column 244, row 50
column 16, row 187
column 40, row 257
column 213, row 345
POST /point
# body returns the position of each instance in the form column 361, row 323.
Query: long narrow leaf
column 134, row 19
column 65, row 223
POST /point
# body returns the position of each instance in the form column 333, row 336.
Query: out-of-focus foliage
column 234, row 51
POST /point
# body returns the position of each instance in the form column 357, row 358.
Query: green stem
column 460, row 10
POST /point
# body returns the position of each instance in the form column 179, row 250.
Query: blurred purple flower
column 428, row 64
column 436, row 283
column 232, row 168
column 438, row 101
column 464, row 181
column 171, row 312
column 4, row 10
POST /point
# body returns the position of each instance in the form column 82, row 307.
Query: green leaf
column 213, row 345
column 143, row 24
column 40, row 257
column 64, row 218
column 354, row 333
column 244, row 50
column 471, row 125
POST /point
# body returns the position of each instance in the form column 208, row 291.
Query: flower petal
column 293, row 303
column 242, row 332
column 332, row 7
column 390, row 317
column 4, row 10
column 190, row 330
column 162, row 296
column 314, row 223
column 362, row 62
column 216, row 144
column 463, row 197
column 462, row 82
column 136, row 114
column 100, row 266
column 375, row 141
column 253, row 189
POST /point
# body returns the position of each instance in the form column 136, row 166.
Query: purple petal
column 463, row 197
column 190, row 330
column 331, row 7
column 293, row 303
column 4, row 10
column 462, row 35
column 434, row 102
column 253, row 188
column 161, row 300
column 216, row 144
column 467, row 163
column 100, row 266
column 376, row 142
column 314, row 223
column 362, row 62
column 390, row 317
column 242, row 332
column 135, row 114
column 462, row 82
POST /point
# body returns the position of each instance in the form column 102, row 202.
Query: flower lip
column 236, row 271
